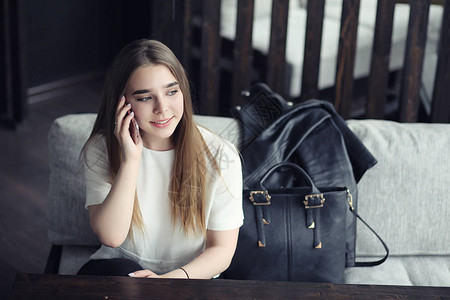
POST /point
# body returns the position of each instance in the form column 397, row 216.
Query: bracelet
column 187, row 275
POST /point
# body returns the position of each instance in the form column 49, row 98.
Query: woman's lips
column 162, row 123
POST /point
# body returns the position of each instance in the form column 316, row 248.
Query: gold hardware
column 265, row 193
column 265, row 222
column 350, row 199
column 313, row 224
column 307, row 197
column 319, row 246
column 261, row 245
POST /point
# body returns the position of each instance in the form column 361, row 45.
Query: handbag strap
column 367, row 263
column 312, row 203
column 314, row 189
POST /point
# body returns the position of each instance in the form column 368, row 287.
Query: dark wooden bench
column 170, row 16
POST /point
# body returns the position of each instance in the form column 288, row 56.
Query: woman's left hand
column 177, row 273
column 144, row 274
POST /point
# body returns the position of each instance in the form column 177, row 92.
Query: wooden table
column 43, row 286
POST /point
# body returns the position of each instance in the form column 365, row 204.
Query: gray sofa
column 404, row 198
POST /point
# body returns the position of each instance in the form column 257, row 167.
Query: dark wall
column 73, row 37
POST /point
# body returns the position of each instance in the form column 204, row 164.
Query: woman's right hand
column 131, row 148
column 111, row 220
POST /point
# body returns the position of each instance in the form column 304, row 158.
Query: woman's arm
column 111, row 220
column 220, row 247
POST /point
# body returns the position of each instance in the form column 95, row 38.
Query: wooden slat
column 13, row 98
column 243, row 53
column 18, row 26
column 180, row 29
column 187, row 33
column 313, row 42
column 437, row 2
column 379, row 70
column 210, row 58
column 161, row 21
column 346, row 57
column 412, row 67
column 171, row 24
column 440, row 109
column 5, row 63
column 276, row 59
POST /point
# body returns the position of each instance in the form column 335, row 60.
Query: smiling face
column 157, row 102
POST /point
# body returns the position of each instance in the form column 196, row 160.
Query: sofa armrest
column 68, row 221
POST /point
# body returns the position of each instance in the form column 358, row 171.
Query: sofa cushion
column 404, row 270
column 405, row 196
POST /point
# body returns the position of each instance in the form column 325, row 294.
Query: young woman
column 164, row 195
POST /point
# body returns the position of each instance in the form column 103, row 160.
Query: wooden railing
column 184, row 12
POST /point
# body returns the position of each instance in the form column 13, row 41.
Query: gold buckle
column 350, row 199
column 307, row 197
column 264, row 193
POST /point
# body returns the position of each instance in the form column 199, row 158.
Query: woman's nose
column 160, row 106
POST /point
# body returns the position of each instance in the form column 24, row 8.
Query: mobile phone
column 134, row 130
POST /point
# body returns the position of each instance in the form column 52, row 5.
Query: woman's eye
column 144, row 99
column 171, row 93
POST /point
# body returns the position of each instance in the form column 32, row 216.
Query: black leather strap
column 260, row 226
column 313, row 204
column 266, row 215
column 299, row 170
column 317, row 227
column 376, row 262
column 310, row 219
column 261, row 203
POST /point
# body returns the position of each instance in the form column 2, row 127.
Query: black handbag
column 310, row 134
column 310, row 138
column 292, row 234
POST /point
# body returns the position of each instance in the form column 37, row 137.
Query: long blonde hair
column 187, row 185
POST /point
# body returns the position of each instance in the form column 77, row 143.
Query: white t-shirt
column 164, row 247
